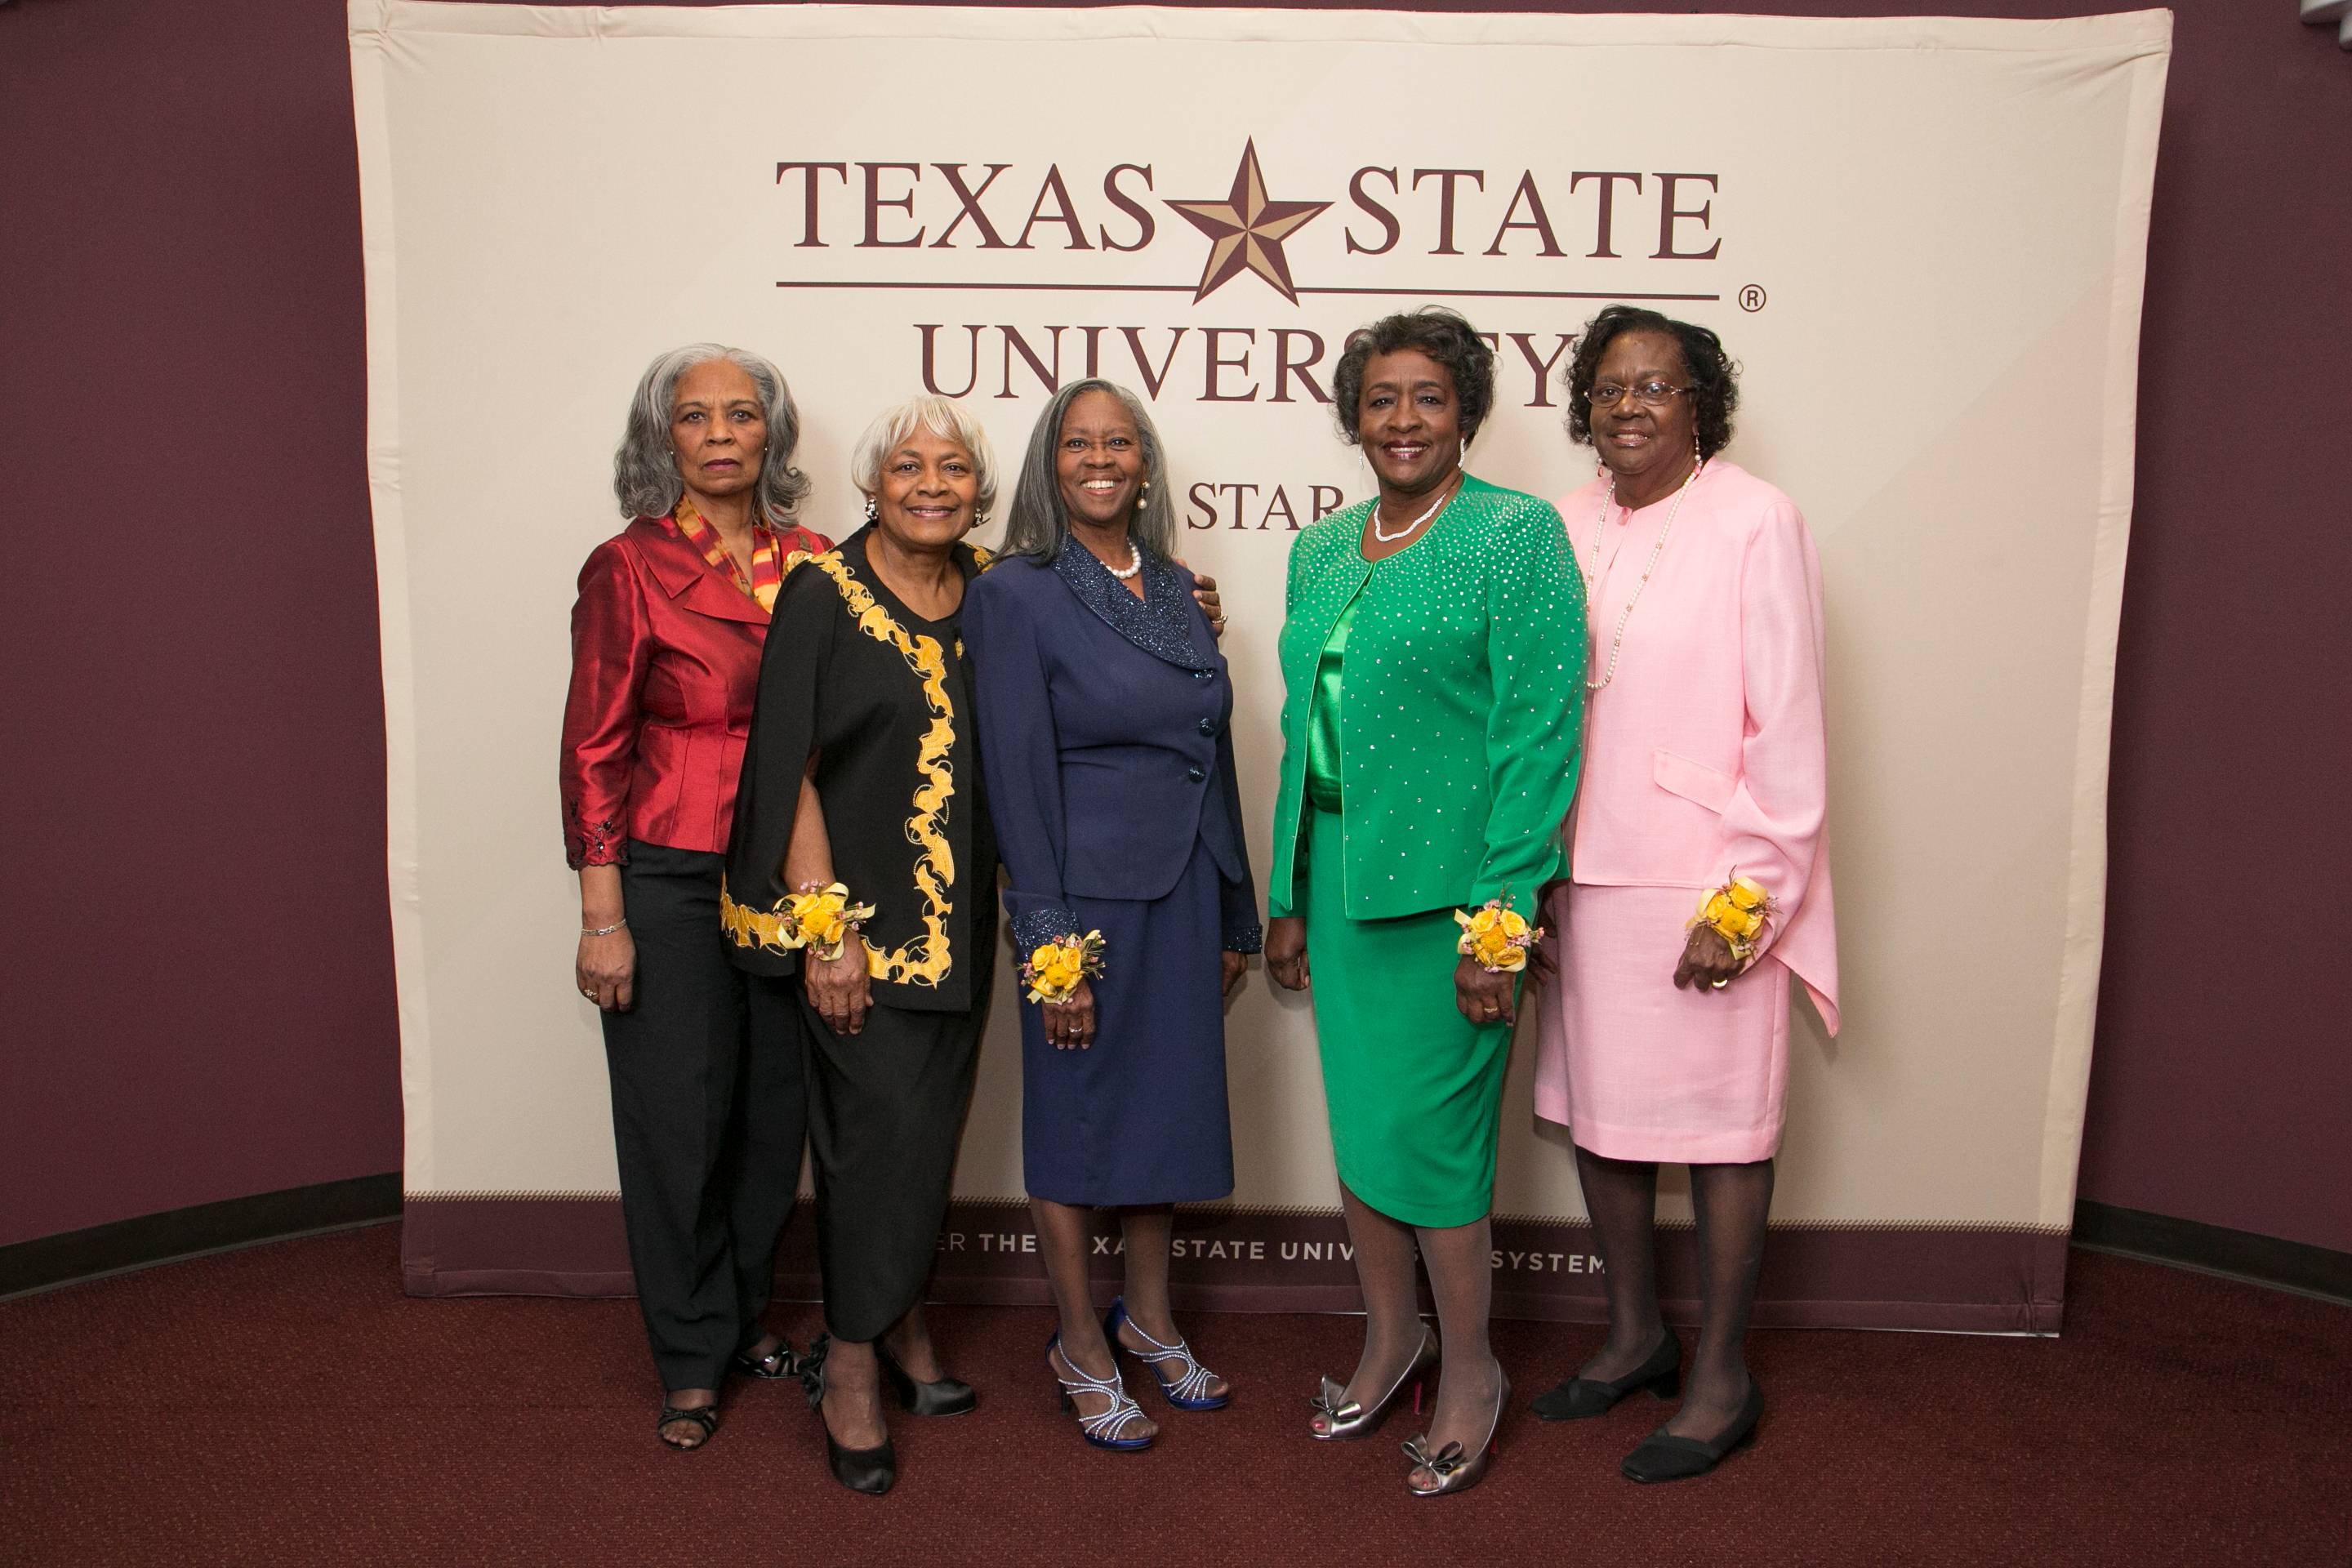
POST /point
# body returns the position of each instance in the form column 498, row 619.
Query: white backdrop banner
column 1922, row 239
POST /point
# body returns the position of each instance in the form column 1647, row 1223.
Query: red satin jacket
column 665, row 662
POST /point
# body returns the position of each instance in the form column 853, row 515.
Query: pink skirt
column 1639, row 1070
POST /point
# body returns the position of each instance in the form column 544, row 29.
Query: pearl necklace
column 1593, row 582
column 1407, row 531
column 1134, row 563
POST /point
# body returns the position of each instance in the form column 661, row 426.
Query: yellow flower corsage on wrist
column 1737, row 913
column 1054, row 968
column 819, row 918
column 1496, row 935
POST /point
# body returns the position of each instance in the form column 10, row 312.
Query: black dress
column 881, row 697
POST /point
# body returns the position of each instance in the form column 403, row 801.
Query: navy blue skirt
column 1140, row 1116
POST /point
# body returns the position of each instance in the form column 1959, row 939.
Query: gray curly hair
column 645, row 469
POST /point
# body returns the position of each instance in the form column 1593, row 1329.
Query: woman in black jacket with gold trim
column 863, row 863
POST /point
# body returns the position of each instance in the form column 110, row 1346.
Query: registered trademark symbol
column 1751, row 299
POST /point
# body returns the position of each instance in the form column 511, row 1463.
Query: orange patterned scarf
column 767, row 555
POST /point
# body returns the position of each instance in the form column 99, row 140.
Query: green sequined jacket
column 1464, row 705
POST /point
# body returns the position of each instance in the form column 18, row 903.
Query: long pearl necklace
column 1592, row 581
column 1407, row 530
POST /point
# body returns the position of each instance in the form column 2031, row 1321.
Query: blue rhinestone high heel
column 1189, row 1389
column 1107, row 1427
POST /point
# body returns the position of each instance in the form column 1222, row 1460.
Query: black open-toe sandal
column 777, row 1363
column 703, row 1415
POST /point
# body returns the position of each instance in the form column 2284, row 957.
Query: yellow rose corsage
column 1496, row 935
column 1738, row 911
column 1054, row 968
column 819, row 918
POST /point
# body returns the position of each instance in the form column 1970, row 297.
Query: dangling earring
column 872, row 511
column 1699, row 459
column 1142, row 493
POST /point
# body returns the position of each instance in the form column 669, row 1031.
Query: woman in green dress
column 1432, row 661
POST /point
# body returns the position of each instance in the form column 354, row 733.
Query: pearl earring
column 872, row 511
column 1142, row 493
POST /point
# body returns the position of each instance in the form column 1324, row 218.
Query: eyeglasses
column 1649, row 394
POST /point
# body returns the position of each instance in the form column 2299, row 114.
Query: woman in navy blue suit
column 1103, row 710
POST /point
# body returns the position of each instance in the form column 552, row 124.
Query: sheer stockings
column 1733, row 1203
column 1621, row 1196
column 1461, row 1278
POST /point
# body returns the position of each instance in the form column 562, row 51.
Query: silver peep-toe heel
column 1457, row 1469
column 1353, row 1419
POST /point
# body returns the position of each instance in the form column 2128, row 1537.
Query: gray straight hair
column 1038, row 526
column 644, row 469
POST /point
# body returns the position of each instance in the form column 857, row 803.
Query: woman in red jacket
column 708, row 1115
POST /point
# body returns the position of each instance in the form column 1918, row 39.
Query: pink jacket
column 1706, row 755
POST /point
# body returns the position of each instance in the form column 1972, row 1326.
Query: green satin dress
column 1414, row 1089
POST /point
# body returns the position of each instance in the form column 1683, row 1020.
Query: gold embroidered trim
column 769, row 930
column 925, row 958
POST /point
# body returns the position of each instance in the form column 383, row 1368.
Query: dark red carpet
column 288, row 1405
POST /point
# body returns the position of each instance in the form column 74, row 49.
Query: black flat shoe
column 1666, row 1457
column 868, row 1470
column 776, row 1364
column 1581, row 1398
column 947, row 1396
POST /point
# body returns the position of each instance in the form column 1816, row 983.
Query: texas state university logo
column 1255, row 290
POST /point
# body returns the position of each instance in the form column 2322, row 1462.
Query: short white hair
column 941, row 417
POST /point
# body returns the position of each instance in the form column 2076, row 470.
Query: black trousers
column 885, row 1112
column 709, row 1114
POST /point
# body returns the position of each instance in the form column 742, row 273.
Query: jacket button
column 1208, row 726
column 1195, row 774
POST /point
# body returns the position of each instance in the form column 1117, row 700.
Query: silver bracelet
column 604, row 931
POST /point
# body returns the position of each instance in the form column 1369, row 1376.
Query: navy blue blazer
column 1105, row 738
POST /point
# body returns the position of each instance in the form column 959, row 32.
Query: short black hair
column 1714, row 379
column 1445, row 336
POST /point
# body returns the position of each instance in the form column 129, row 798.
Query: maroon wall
column 199, row 957
column 201, row 1002
column 2221, row 1085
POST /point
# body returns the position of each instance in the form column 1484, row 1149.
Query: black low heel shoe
column 1581, row 1398
column 947, row 1396
column 868, row 1470
column 1665, row 1457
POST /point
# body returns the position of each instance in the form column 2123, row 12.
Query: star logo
column 1246, row 230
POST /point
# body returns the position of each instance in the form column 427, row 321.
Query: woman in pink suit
column 1699, row 881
